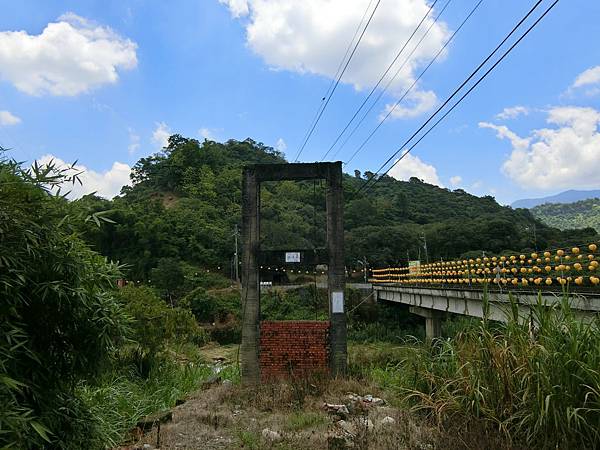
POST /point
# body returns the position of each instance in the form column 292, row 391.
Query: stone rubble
column 387, row 421
column 271, row 435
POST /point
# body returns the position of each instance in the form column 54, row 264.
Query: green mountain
column 184, row 205
column 581, row 214
column 569, row 196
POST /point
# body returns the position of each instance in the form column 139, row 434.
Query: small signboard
column 337, row 302
column 414, row 267
column 292, row 257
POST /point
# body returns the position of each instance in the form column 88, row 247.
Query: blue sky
column 103, row 82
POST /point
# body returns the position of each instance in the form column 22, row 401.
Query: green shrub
column 537, row 385
column 155, row 325
column 213, row 306
column 59, row 321
column 120, row 401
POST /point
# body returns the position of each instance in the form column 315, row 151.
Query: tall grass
column 536, row 381
column 120, row 401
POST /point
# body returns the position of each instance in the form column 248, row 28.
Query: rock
column 346, row 426
column 368, row 398
column 227, row 383
column 387, row 421
column 340, row 410
column 212, row 380
column 271, row 435
column 377, row 401
column 147, row 447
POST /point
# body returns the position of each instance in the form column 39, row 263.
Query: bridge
column 494, row 287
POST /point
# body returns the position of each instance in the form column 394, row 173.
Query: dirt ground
column 230, row 416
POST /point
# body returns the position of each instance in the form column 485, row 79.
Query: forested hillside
column 582, row 214
column 185, row 203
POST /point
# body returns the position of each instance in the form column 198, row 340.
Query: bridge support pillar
column 433, row 321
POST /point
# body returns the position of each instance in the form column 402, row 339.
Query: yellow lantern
column 575, row 250
column 592, row 247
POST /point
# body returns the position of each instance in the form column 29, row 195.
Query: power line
column 337, row 82
column 384, row 75
column 339, row 67
column 467, row 80
column 403, row 96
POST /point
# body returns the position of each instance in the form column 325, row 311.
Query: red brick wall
column 293, row 348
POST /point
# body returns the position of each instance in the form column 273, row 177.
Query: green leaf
column 41, row 430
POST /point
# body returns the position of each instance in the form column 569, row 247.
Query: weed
column 301, row 420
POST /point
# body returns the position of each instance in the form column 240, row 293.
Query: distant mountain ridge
column 569, row 196
column 565, row 216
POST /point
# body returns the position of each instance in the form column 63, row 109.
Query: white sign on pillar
column 292, row 257
column 337, row 302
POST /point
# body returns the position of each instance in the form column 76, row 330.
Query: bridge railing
column 577, row 266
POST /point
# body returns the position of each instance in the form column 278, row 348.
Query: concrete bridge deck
column 433, row 302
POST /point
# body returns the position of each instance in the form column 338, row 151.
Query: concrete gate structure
column 253, row 175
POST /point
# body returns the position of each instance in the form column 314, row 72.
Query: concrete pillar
column 252, row 177
column 250, row 370
column 433, row 327
column 433, row 321
column 336, row 276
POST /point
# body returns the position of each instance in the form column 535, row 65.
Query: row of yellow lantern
column 515, row 281
column 575, row 252
column 494, row 261
column 593, row 266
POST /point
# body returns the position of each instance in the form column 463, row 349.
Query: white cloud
column 7, row 118
column 419, row 103
column 161, row 134
column 238, row 8
column 106, row 184
column 587, row 77
column 456, row 180
column 310, row 36
column 512, row 113
column 70, row 56
column 567, row 155
column 503, row 132
column 206, row 133
column 134, row 141
column 280, row 145
column 412, row 166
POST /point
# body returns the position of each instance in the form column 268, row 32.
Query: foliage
column 209, row 306
column 120, row 401
column 539, row 386
column 58, row 318
column 155, row 325
column 168, row 277
column 185, row 202
column 581, row 214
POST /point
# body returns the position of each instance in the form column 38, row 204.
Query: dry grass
column 234, row 417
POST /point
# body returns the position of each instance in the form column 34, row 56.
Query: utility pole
column 364, row 263
column 534, row 236
column 425, row 247
column 236, row 263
